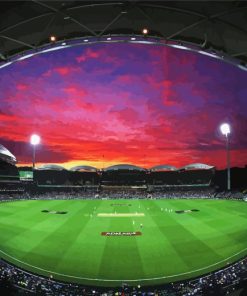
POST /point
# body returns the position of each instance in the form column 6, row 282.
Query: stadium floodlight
column 34, row 140
column 145, row 31
column 226, row 130
column 53, row 38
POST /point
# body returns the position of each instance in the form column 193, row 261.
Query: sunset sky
column 105, row 104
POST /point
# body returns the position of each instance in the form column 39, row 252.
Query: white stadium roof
column 6, row 155
column 52, row 167
column 163, row 167
column 197, row 166
column 83, row 168
column 120, row 167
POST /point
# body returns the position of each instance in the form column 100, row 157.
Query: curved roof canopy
column 218, row 29
column 120, row 167
column 6, row 155
column 197, row 166
column 52, row 167
column 83, row 168
column 163, row 167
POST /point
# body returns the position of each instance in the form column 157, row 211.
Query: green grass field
column 172, row 246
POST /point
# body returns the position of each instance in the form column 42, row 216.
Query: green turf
column 172, row 246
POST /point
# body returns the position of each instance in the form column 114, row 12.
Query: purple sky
column 105, row 104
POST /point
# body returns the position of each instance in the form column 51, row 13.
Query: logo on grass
column 186, row 211
column 54, row 212
column 121, row 233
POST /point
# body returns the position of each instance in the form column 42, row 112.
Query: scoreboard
column 26, row 175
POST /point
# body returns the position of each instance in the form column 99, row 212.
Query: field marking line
column 121, row 280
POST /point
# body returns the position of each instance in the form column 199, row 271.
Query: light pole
column 225, row 130
column 34, row 140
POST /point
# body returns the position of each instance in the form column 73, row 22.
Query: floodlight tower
column 34, row 140
column 225, row 130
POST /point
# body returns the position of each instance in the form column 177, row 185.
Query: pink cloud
column 127, row 115
column 75, row 90
column 89, row 54
column 21, row 86
column 63, row 71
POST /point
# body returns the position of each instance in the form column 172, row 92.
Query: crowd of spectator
column 96, row 193
column 222, row 282
column 203, row 193
column 124, row 194
column 231, row 195
column 171, row 193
